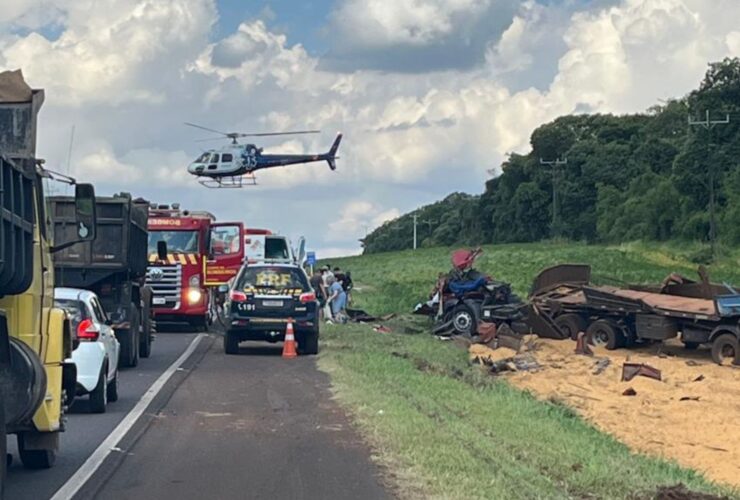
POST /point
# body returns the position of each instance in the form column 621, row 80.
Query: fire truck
column 190, row 256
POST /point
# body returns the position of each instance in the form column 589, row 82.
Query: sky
column 431, row 95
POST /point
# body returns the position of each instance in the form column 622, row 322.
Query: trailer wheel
column 725, row 350
column 604, row 333
column 3, row 447
column 571, row 325
column 129, row 340
column 35, row 459
column 145, row 342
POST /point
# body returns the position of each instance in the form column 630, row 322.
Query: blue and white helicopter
column 234, row 165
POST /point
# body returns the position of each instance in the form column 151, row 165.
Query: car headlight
column 486, row 314
column 194, row 295
column 195, row 281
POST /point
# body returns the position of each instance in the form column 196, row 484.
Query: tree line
column 645, row 176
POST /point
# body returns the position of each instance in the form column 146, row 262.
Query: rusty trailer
column 564, row 302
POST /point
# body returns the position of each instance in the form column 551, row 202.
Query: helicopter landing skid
column 232, row 182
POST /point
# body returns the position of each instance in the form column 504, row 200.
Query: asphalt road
column 247, row 426
column 86, row 431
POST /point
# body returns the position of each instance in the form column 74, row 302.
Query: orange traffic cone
column 289, row 350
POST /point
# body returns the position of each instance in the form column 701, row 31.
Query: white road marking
column 86, row 470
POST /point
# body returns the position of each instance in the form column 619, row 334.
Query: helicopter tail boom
column 331, row 156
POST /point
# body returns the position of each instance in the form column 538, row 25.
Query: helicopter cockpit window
column 203, row 158
column 214, row 158
column 226, row 158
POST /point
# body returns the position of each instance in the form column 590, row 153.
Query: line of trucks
column 147, row 263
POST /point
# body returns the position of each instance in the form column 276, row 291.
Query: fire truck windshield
column 177, row 241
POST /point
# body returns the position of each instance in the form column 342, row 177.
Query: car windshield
column 177, row 241
column 272, row 277
column 276, row 248
column 75, row 309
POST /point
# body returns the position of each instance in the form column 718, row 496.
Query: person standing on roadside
column 325, row 276
column 317, row 283
column 337, row 298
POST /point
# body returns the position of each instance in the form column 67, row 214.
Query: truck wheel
column 310, row 344
column 604, row 333
column 113, row 389
column 35, row 459
column 463, row 320
column 145, row 342
column 571, row 325
column 3, row 448
column 231, row 342
column 129, row 340
column 99, row 395
column 725, row 350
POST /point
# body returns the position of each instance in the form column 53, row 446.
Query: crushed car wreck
column 465, row 298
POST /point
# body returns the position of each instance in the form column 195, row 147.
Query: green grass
column 445, row 429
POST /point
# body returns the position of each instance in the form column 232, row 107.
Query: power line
column 553, row 164
column 709, row 125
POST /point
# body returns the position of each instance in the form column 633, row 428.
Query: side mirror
column 85, row 216
column 223, row 288
column 162, row 250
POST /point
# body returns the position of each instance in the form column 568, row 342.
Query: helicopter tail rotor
column 331, row 156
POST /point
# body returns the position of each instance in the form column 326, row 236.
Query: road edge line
column 75, row 483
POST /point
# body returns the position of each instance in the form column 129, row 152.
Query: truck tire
column 310, row 344
column 147, row 334
column 129, row 340
column 231, row 342
column 604, row 333
column 113, row 389
column 99, row 395
column 35, row 459
column 145, row 342
column 725, row 350
column 571, row 325
column 3, row 447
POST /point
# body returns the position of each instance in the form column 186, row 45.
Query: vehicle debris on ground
column 463, row 300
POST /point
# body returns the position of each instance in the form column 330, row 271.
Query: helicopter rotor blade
column 209, row 139
column 267, row 134
column 208, row 129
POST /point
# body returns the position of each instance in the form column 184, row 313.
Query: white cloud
column 358, row 217
column 129, row 72
column 413, row 22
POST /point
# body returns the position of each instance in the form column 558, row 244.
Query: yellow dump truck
column 35, row 337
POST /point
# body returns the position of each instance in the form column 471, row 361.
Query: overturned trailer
column 563, row 302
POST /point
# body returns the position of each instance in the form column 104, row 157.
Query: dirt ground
column 691, row 416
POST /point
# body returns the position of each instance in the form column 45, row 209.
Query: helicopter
column 234, row 165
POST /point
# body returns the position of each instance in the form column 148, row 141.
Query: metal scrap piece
column 631, row 370
column 582, row 346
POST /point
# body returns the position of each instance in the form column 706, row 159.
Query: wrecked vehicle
column 465, row 297
column 563, row 302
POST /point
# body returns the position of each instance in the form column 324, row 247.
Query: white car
column 96, row 356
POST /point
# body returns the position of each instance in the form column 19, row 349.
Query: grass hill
column 395, row 281
column 442, row 428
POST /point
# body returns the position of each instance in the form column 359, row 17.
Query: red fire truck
column 200, row 255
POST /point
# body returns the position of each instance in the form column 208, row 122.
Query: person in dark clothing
column 317, row 283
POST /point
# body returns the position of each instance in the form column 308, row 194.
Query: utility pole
column 554, row 164
column 708, row 125
column 416, row 223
